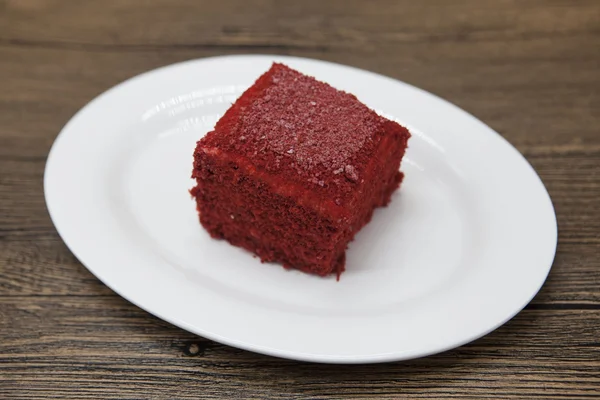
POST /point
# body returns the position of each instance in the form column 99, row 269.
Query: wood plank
column 338, row 22
column 85, row 340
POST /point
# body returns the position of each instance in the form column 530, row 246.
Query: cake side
column 237, row 205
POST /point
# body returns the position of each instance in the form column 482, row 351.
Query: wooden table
column 529, row 69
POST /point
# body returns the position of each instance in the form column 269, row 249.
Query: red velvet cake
column 294, row 169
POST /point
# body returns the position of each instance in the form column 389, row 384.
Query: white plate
column 465, row 244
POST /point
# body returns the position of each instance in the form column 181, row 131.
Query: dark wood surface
column 530, row 69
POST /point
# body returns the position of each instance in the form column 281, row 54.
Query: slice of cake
column 294, row 169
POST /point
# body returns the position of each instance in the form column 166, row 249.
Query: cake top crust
column 293, row 125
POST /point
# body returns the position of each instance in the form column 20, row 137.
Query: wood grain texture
column 530, row 69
